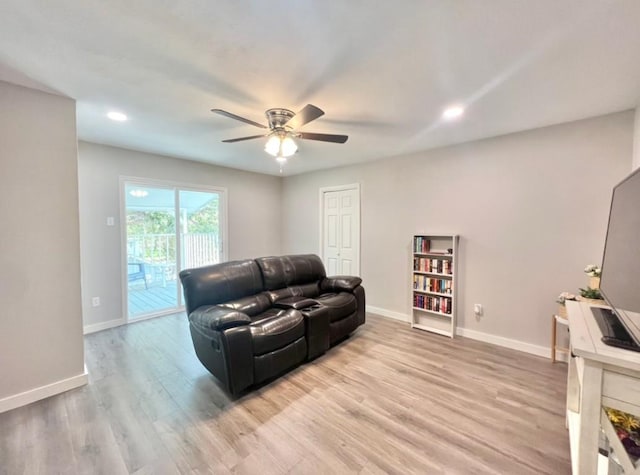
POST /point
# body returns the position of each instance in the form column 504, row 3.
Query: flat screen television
column 620, row 279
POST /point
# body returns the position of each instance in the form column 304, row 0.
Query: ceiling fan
column 283, row 125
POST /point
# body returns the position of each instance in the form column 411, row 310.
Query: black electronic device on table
column 613, row 331
column 620, row 279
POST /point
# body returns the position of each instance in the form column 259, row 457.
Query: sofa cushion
column 252, row 305
column 288, row 271
column 268, row 313
column 340, row 305
column 277, row 331
column 219, row 283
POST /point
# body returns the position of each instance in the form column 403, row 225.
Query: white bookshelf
column 434, row 262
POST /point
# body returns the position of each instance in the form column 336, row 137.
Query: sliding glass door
column 199, row 229
column 168, row 228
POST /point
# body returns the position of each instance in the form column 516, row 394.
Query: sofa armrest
column 340, row 283
column 214, row 317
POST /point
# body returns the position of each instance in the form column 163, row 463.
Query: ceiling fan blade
column 237, row 117
column 323, row 137
column 306, row 115
column 243, row 138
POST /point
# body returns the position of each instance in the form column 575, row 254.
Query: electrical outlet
column 477, row 309
column 95, row 301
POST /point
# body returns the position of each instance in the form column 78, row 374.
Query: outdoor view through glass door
column 167, row 229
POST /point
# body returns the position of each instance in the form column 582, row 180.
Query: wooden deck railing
column 198, row 249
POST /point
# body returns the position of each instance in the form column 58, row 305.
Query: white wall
column 253, row 212
column 531, row 209
column 41, row 343
column 636, row 139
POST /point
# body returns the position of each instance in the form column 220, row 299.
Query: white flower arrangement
column 564, row 296
column 593, row 270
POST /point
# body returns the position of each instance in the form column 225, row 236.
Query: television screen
column 620, row 280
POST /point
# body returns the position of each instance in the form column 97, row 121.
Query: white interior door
column 341, row 229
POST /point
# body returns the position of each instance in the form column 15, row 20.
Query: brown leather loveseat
column 254, row 319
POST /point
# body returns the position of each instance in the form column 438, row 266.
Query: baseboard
column 96, row 327
column 388, row 313
column 475, row 335
column 43, row 392
column 505, row 342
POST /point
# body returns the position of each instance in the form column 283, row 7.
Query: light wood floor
column 387, row 400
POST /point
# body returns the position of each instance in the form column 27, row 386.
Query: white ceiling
column 382, row 71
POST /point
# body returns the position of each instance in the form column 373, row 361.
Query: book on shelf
column 434, row 304
column 421, row 245
column 429, row 284
column 437, row 266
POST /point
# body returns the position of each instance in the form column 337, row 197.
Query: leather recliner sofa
column 252, row 320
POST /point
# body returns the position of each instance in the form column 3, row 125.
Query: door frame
column 322, row 191
column 151, row 182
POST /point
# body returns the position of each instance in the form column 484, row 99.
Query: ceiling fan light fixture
column 281, row 160
column 272, row 147
column 288, row 147
column 280, row 146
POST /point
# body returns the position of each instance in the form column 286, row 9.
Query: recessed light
column 117, row 116
column 452, row 112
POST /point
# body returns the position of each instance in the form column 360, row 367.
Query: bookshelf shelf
column 446, row 276
column 432, row 311
column 431, row 329
column 439, row 294
column 432, row 254
column 434, row 263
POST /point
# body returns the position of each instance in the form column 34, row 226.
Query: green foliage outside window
column 151, row 234
column 205, row 219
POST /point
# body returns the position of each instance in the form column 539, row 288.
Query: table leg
column 590, row 403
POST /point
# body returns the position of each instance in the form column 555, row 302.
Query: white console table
column 599, row 375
